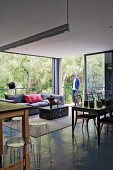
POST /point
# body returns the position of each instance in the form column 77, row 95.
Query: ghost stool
column 15, row 147
column 39, row 129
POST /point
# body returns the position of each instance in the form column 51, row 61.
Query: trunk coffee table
column 54, row 112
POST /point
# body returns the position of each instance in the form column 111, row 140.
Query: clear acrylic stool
column 16, row 120
column 40, row 127
column 15, row 147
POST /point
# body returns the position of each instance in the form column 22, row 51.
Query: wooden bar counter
column 8, row 110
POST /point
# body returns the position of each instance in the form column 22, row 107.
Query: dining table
column 9, row 110
column 99, row 111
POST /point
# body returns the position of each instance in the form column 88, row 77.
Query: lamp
column 11, row 85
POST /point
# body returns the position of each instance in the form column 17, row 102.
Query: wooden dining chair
column 81, row 115
column 89, row 97
column 100, row 96
column 102, row 99
column 106, row 121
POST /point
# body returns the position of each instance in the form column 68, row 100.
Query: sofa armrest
column 24, row 104
column 56, row 96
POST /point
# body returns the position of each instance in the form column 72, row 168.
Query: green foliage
column 72, row 65
column 95, row 73
column 26, row 71
column 68, row 92
column 95, row 69
column 34, row 74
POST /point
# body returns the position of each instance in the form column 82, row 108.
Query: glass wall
column 99, row 73
column 30, row 73
column 95, row 73
column 108, row 75
column 72, row 65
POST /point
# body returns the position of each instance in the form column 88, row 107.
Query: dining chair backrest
column 78, row 99
column 82, row 114
column 100, row 96
column 89, row 97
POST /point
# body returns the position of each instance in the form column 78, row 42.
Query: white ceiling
column 89, row 22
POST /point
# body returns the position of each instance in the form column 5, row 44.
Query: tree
column 26, row 71
column 71, row 65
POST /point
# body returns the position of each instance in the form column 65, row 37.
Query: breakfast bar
column 8, row 110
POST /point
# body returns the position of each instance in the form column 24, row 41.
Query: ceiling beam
column 49, row 33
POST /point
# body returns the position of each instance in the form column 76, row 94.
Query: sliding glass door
column 99, row 73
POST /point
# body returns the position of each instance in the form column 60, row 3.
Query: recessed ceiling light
column 111, row 26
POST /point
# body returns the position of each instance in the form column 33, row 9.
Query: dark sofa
column 20, row 99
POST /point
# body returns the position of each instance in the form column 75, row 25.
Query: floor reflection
column 80, row 153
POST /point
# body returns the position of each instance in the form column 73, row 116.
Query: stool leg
column 49, row 144
column 14, row 157
column 21, row 156
column 34, row 157
column 38, row 150
column 20, row 134
column 18, row 124
column 11, row 157
column 18, row 128
column 11, row 130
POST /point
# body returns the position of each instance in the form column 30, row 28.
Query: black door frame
column 85, row 69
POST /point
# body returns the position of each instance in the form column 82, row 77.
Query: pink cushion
column 32, row 98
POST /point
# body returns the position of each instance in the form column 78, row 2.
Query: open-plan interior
column 56, row 85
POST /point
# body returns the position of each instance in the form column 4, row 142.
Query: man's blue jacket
column 77, row 83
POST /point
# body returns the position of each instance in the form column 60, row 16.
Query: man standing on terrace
column 75, row 86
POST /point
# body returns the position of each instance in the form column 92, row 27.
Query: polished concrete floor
column 80, row 153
